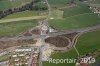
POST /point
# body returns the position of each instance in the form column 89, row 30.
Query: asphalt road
column 82, row 30
column 50, row 34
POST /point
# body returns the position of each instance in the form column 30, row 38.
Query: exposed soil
column 26, row 41
column 7, row 44
column 70, row 36
column 36, row 31
column 4, row 45
column 61, row 40
column 27, row 34
column 58, row 41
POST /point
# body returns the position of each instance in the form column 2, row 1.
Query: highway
column 86, row 29
column 43, row 37
column 50, row 34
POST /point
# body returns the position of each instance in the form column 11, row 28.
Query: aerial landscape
column 49, row 32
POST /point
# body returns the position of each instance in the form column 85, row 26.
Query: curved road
column 50, row 34
column 82, row 30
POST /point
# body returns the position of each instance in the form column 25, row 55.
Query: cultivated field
column 74, row 22
column 62, row 55
column 6, row 4
column 76, row 10
column 93, row 42
column 22, row 14
column 58, row 3
column 89, row 43
column 14, row 28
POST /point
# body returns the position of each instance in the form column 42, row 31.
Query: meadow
column 6, row 4
column 75, row 22
column 89, row 43
column 22, row 14
column 14, row 28
column 85, row 46
column 76, row 10
column 62, row 55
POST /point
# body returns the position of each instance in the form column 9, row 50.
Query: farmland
column 95, row 1
column 49, row 28
column 89, row 43
column 76, row 10
column 85, row 46
column 62, row 55
column 14, row 28
column 22, row 14
column 57, row 14
column 6, row 4
column 58, row 2
column 75, row 22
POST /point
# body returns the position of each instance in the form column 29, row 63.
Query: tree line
column 34, row 5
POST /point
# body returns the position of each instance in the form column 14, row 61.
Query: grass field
column 88, row 43
column 23, row 14
column 6, row 4
column 62, row 55
column 14, row 28
column 90, row 1
column 75, row 22
column 76, row 10
column 94, row 1
column 4, row 57
column 57, row 14
column 95, row 5
column 58, row 3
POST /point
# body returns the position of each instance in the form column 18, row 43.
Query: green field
column 90, row 1
column 23, row 14
column 62, row 55
column 76, row 10
column 57, row 3
column 79, row 21
column 95, row 5
column 57, row 14
column 14, row 28
column 94, row 1
column 6, row 4
column 4, row 57
column 88, row 42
